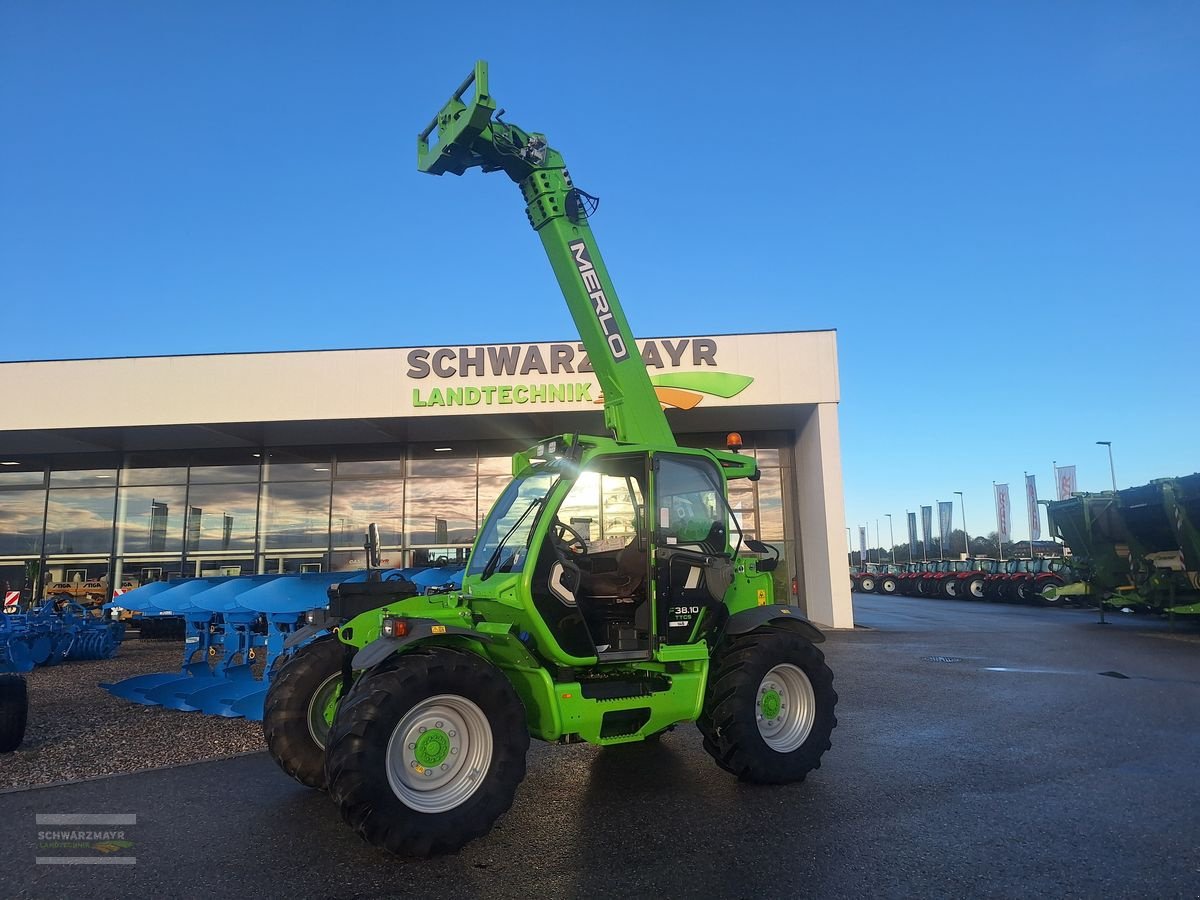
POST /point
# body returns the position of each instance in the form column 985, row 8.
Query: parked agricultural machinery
column 1137, row 547
column 235, row 629
column 57, row 631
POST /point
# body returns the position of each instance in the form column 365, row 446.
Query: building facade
column 122, row 471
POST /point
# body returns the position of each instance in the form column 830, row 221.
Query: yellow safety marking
column 438, row 629
column 762, row 597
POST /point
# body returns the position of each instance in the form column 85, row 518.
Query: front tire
column 866, row 584
column 14, row 712
column 426, row 751
column 973, row 589
column 299, row 709
column 769, row 709
column 888, row 586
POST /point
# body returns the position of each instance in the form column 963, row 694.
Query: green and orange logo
column 684, row 390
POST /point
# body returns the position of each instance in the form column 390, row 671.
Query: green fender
column 419, row 630
column 774, row 615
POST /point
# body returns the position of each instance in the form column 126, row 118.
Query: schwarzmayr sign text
column 531, row 359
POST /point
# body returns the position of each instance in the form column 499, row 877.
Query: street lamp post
column 891, row 537
column 966, row 540
column 1111, row 471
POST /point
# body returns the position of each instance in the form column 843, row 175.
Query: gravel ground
column 79, row 730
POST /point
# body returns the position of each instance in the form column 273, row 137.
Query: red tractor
column 970, row 578
column 1028, row 584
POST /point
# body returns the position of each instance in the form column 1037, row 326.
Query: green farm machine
column 1137, row 547
column 415, row 712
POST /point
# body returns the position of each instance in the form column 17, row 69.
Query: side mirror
column 764, row 565
column 372, row 546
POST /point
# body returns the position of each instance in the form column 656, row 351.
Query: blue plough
column 233, row 623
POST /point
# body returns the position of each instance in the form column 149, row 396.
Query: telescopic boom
column 471, row 134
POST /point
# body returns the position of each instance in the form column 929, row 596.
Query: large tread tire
column 866, row 584
column 887, row 586
column 14, row 712
column 973, row 588
column 356, row 755
column 290, row 737
column 729, row 720
column 950, row 588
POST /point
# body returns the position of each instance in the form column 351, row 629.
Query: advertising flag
column 945, row 523
column 862, row 543
column 1003, row 521
column 926, row 525
column 1065, row 476
column 1035, row 515
column 912, row 534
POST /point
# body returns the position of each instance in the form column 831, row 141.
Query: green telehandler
column 572, row 623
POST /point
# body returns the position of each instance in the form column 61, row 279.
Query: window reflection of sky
column 442, row 502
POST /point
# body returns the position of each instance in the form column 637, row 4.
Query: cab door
column 693, row 565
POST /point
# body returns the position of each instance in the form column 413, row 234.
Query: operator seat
column 622, row 583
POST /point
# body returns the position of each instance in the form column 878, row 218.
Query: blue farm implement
column 235, row 628
column 55, row 632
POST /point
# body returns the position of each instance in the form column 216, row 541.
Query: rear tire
column 769, row 709
column 888, row 586
column 866, row 584
column 972, row 588
column 951, row 588
column 474, row 757
column 14, row 712
column 295, row 714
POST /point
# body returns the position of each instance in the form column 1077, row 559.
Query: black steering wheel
column 567, row 538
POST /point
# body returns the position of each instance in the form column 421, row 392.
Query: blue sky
column 996, row 205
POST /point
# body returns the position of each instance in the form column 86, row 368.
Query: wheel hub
column 432, row 748
column 787, row 707
column 439, row 753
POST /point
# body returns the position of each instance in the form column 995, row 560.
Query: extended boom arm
column 470, row 133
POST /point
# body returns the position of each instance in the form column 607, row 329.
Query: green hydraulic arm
column 470, row 133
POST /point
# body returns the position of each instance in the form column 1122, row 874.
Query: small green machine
column 609, row 596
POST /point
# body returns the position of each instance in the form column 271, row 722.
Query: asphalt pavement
column 980, row 752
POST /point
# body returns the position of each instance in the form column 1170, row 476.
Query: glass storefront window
column 440, row 511
column 295, row 515
column 154, row 475
column 224, row 474
column 741, row 501
column 12, row 476
column 21, row 515
column 770, row 505
column 221, row 517
column 445, row 465
column 356, row 504
column 767, row 457
column 351, row 560
column 83, row 478
column 317, row 469
column 352, row 468
column 151, row 519
column 80, row 520
column 496, row 465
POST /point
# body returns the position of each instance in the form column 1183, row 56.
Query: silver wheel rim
column 451, row 732
column 796, row 708
column 867, row 584
column 951, row 589
column 889, row 586
column 318, row 728
column 977, row 589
